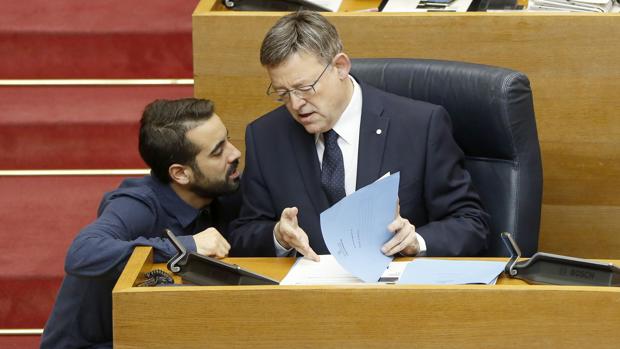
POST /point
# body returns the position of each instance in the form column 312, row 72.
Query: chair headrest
column 490, row 107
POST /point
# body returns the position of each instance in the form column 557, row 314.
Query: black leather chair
column 493, row 121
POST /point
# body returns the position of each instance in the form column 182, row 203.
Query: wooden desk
column 570, row 58
column 508, row 315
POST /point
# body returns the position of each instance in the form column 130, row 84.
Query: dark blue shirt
column 135, row 214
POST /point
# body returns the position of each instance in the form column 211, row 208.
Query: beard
column 208, row 188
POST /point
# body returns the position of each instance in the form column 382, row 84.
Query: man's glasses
column 283, row 96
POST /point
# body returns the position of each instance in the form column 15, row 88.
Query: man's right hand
column 211, row 243
column 289, row 234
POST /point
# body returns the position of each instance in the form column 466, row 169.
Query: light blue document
column 449, row 272
column 355, row 228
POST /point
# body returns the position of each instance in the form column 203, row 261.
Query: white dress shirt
column 348, row 130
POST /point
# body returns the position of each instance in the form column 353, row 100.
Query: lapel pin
column 378, row 131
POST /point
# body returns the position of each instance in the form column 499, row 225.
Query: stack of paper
column 326, row 272
column 329, row 272
column 421, row 271
column 332, row 5
column 427, row 6
column 596, row 6
column 354, row 231
column 401, row 5
column 451, row 272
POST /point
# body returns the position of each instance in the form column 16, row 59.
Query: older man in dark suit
column 335, row 134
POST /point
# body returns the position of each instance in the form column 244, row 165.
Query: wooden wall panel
column 580, row 230
column 571, row 60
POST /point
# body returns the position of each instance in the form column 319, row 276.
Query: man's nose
column 235, row 154
column 296, row 101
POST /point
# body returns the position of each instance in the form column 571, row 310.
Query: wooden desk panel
column 571, row 60
column 359, row 316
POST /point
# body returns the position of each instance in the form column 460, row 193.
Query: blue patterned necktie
column 332, row 172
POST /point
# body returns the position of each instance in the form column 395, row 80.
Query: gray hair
column 302, row 31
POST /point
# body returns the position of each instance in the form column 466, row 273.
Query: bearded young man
column 193, row 166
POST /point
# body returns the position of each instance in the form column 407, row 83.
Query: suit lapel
column 370, row 152
column 373, row 135
column 308, row 163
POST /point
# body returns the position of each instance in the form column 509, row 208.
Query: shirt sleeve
column 280, row 250
column 422, row 245
column 103, row 247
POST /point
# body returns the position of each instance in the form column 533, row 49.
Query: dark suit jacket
column 435, row 192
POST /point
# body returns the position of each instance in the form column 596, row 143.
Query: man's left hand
column 404, row 240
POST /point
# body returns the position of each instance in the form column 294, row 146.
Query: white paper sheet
column 400, row 6
column 329, row 272
column 332, row 5
column 451, row 272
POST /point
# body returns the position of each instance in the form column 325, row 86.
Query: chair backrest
column 493, row 122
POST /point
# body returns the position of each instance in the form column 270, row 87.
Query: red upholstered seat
column 72, row 127
column 68, row 127
column 40, row 217
column 20, row 342
column 42, row 39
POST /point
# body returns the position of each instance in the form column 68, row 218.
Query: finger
column 402, row 245
column 291, row 235
column 289, row 232
column 402, row 229
column 397, row 239
column 288, row 219
column 299, row 243
column 220, row 253
column 225, row 252
column 302, row 245
column 216, row 253
column 396, row 225
column 289, row 213
column 312, row 255
column 225, row 246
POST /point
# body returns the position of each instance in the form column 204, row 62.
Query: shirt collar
column 173, row 204
column 348, row 125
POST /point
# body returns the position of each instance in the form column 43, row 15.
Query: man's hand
column 404, row 240
column 211, row 243
column 289, row 234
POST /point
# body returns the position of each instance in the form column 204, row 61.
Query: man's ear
column 343, row 65
column 180, row 174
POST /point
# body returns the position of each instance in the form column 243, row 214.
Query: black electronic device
column 156, row 277
column 206, row 271
column 547, row 268
column 281, row 5
column 484, row 5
